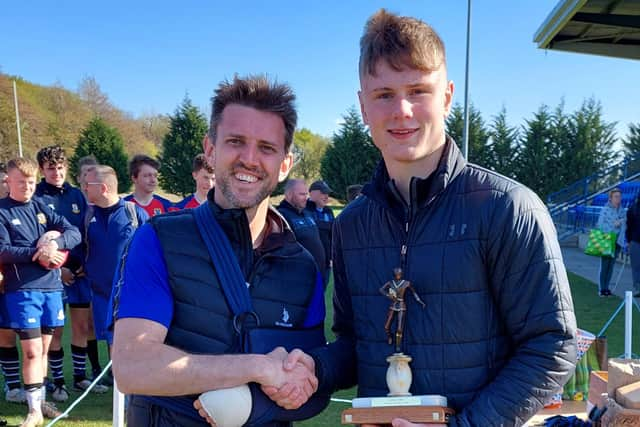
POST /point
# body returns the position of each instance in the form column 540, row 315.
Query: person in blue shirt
column 323, row 216
column 32, row 236
column 9, row 356
column 68, row 201
column 169, row 302
column 109, row 229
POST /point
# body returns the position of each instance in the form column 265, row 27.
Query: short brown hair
column 106, row 175
column 200, row 162
column 402, row 41
column 27, row 167
column 51, row 155
column 259, row 93
column 141, row 159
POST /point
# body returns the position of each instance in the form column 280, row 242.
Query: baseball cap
column 320, row 185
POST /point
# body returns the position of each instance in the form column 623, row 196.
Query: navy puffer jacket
column 497, row 336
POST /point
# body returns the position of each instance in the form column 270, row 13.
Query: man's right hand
column 298, row 379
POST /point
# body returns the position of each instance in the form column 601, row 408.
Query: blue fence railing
column 575, row 209
column 581, row 189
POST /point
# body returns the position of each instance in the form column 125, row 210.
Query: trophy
column 399, row 403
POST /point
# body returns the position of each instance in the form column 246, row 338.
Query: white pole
column 15, row 100
column 465, row 134
column 628, row 315
column 118, row 406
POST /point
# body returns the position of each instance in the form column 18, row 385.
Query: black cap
column 320, row 185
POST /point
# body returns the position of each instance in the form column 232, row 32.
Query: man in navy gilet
column 174, row 334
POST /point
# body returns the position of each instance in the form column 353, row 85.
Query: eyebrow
column 244, row 138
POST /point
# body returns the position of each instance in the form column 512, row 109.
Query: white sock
column 34, row 399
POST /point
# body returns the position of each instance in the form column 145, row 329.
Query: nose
column 402, row 108
column 249, row 155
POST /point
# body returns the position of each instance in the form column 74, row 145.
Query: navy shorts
column 4, row 316
column 79, row 293
column 34, row 309
column 102, row 318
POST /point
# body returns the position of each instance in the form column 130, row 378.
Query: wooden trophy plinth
column 430, row 409
column 384, row 415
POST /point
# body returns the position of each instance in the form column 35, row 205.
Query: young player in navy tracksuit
column 69, row 202
column 33, row 287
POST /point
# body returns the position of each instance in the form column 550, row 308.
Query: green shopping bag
column 601, row 243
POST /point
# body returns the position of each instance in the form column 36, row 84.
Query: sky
column 146, row 56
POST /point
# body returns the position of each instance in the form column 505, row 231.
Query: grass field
column 592, row 313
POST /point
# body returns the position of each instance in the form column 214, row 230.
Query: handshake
column 289, row 381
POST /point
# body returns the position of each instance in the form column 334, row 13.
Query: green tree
column 479, row 150
column 351, row 158
column 309, row 149
column 504, row 141
column 533, row 167
column 105, row 143
column 631, row 143
column 590, row 141
column 180, row 145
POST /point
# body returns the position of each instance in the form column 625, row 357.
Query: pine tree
column 504, row 141
column 187, row 128
column 351, row 158
column 592, row 141
column 533, row 165
column 105, row 143
column 479, row 151
column 631, row 143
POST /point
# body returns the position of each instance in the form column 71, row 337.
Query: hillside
column 56, row 115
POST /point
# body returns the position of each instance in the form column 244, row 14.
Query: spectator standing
column 612, row 219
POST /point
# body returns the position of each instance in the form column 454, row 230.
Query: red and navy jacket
column 188, row 202
column 158, row 205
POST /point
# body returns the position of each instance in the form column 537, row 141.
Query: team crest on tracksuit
column 75, row 209
column 41, row 218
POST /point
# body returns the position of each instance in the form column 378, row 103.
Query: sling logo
column 285, row 319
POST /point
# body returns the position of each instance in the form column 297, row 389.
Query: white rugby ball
column 228, row 407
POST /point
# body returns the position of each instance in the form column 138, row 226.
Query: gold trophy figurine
column 399, row 403
column 398, row 374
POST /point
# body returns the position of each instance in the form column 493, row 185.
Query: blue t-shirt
column 145, row 291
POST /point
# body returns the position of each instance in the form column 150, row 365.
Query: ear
column 364, row 113
column 448, row 97
column 285, row 167
column 209, row 149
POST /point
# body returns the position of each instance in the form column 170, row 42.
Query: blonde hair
column 27, row 167
column 402, row 41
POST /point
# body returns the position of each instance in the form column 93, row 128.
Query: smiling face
column 406, row 111
column 248, row 156
column 146, row 181
column 21, row 187
column 54, row 173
